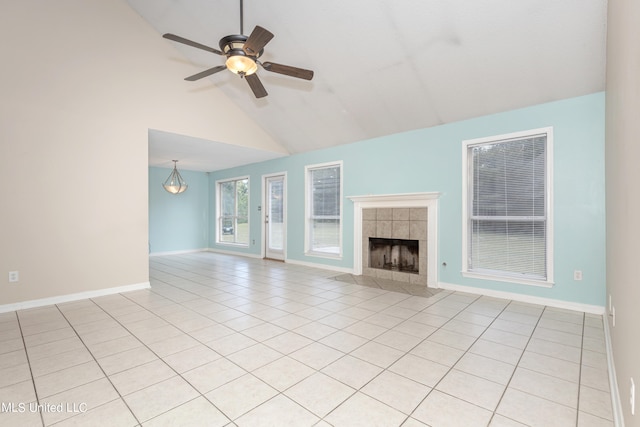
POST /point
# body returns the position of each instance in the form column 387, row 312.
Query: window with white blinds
column 508, row 205
column 324, row 209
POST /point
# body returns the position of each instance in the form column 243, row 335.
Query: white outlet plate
column 632, row 397
column 13, row 276
column 577, row 275
column 613, row 316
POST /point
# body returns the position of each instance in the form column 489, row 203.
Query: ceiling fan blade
column 256, row 85
column 287, row 70
column 257, row 40
column 191, row 43
column 206, row 73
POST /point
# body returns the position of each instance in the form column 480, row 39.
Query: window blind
column 324, row 221
column 508, row 208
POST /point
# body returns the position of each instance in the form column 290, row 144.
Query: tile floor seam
column 524, row 349
column 180, row 375
column 318, row 370
column 580, row 371
column 462, row 309
column 373, row 340
column 335, row 408
column 98, row 363
column 229, row 307
column 453, row 365
column 252, row 408
column 33, row 382
column 66, row 419
column 143, row 345
column 578, row 383
column 591, row 413
column 176, row 407
column 225, row 357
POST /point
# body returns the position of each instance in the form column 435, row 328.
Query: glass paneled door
column 274, row 218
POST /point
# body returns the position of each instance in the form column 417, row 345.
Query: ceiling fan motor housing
column 239, row 61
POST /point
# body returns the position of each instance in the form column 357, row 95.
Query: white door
column 274, row 217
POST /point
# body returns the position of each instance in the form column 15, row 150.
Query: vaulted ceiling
column 384, row 67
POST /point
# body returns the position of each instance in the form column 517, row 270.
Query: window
column 507, row 207
column 324, row 209
column 233, row 211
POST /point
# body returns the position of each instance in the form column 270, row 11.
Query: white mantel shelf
column 406, row 200
column 394, row 198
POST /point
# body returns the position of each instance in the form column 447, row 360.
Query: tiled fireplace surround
column 400, row 216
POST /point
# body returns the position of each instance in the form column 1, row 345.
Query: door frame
column 263, row 216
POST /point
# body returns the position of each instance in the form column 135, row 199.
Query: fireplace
column 394, row 243
column 409, row 216
column 394, row 254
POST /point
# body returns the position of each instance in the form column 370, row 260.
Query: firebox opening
column 394, row 254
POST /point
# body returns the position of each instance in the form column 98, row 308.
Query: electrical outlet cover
column 632, row 397
column 613, row 316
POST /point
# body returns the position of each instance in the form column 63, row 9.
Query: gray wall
column 623, row 195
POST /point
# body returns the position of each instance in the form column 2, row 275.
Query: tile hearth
column 388, row 285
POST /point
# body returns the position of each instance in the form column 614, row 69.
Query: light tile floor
column 220, row 340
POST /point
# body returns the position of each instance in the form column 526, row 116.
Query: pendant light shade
column 174, row 183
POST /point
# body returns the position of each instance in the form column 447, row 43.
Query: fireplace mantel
column 407, row 200
column 393, row 200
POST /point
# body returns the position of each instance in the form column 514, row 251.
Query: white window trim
column 219, row 211
column 263, row 210
column 307, row 211
column 549, row 207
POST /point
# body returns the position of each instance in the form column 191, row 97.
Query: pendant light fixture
column 175, row 184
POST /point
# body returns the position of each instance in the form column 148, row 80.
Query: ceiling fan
column 242, row 54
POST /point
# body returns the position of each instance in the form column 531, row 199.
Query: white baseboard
column 593, row 309
column 320, row 266
column 187, row 251
column 287, row 261
column 72, row 297
column 226, row 252
column 616, row 404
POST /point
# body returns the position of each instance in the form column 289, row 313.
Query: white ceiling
column 200, row 154
column 386, row 66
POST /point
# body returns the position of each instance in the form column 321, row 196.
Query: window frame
column 308, row 247
column 219, row 216
column 467, row 184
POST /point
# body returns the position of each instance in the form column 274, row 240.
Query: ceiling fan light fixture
column 175, row 184
column 242, row 54
column 241, row 64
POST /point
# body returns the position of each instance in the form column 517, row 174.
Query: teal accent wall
column 430, row 160
column 178, row 222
